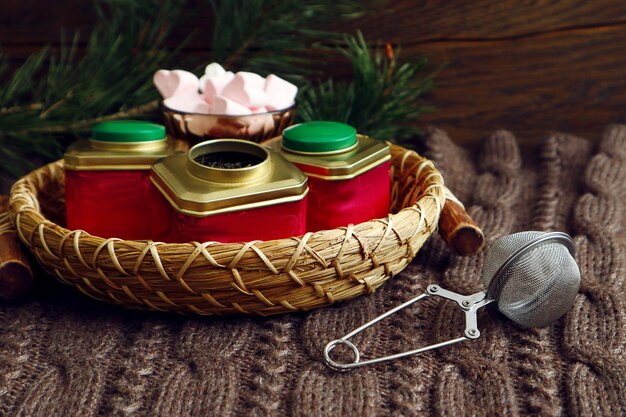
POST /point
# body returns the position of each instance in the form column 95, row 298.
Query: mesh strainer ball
column 532, row 277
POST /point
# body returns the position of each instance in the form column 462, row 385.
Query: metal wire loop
column 340, row 366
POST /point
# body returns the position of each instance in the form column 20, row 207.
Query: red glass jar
column 230, row 190
column 348, row 173
column 107, row 181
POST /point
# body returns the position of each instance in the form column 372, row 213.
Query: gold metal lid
column 199, row 190
column 101, row 155
column 367, row 154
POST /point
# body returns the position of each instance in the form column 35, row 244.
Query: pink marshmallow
column 246, row 89
column 225, row 106
column 176, row 82
column 213, row 85
column 280, row 93
column 214, row 69
column 256, row 110
column 252, row 79
column 188, row 103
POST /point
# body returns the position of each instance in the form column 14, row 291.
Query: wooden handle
column 458, row 229
column 16, row 277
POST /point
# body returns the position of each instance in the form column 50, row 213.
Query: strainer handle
column 469, row 304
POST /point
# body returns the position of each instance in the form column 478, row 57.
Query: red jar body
column 262, row 223
column 349, row 174
column 115, row 203
column 337, row 203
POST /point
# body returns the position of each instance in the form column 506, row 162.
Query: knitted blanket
column 62, row 354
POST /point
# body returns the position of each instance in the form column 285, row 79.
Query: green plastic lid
column 127, row 131
column 319, row 137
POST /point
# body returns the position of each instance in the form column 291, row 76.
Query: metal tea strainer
column 531, row 276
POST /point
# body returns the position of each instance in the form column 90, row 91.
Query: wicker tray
column 298, row 273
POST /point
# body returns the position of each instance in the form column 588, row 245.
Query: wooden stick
column 16, row 277
column 458, row 229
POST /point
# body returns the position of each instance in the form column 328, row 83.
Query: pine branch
column 53, row 97
column 382, row 99
column 266, row 36
column 145, row 110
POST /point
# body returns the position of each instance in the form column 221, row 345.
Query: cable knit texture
column 63, row 354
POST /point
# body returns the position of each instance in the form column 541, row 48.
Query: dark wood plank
column 34, row 22
column 417, row 21
column 572, row 81
column 37, row 22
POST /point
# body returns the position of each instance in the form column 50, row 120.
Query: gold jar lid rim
column 228, row 175
column 128, row 146
column 89, row 154
column 337, row 152
column 367, row 154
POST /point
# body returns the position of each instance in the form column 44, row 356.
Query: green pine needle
column 382, row 99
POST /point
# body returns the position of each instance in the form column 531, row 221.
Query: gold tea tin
column 264, row 200
column 199, row 190
column 349, row 174
column 108, row 191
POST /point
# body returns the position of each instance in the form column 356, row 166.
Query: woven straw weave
column 298, row 273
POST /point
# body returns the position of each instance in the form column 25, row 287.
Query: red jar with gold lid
column 230, row 190
column 107, row 181
column 348, row 173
